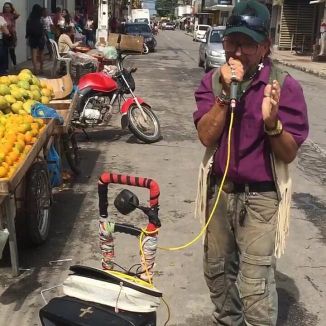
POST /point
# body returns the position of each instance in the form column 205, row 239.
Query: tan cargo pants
column 238, row 258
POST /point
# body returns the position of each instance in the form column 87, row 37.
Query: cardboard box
column 113, row 39
column 125, row 42
column 132, row 43
column 62, row 87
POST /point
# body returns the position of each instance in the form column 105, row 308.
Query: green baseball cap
column 251, row 18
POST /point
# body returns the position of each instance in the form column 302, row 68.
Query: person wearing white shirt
column 48, row 28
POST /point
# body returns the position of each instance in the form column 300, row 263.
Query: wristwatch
column 276, row 131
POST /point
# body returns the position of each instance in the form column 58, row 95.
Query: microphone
column 233, row 92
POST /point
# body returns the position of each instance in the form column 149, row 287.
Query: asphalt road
column 167, row 80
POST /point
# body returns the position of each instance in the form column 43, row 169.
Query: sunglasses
column 246, row 48
column 251, row 22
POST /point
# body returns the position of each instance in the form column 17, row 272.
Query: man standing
column 247, row 229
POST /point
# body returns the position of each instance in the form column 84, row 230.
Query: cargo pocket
column 252, row 292
column 214, row 275
column 263, row 206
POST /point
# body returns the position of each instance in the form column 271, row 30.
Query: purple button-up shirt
column 250, row 147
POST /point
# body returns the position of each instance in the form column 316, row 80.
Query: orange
column 11, row 171
column 34, row 140
column 35, row 125
column 9, row 160
column 21, row 158
column 11, row 137
column 34, row 132
column 39, row 121
column 28, row 137
column 5, row 165
column 20, row 145
column 3, row 172
column 7, row 148
column 29, row 118
column 27, row 148
column 14, row 156
column 2, row 156
column 20, row 136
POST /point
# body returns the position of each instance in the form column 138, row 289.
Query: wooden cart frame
column 12, row 189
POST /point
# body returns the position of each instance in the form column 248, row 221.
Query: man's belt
column 264, row 186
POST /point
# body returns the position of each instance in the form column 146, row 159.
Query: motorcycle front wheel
column 146, row 49
column 146, row 129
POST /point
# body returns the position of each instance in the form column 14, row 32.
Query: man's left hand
column 270, row 104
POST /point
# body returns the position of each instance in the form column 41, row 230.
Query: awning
column 316, row 1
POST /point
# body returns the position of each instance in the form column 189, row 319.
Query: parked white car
column 200, row 32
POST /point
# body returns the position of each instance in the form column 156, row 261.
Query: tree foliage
column 165, row 7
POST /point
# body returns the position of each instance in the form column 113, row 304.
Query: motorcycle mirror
column 126, row 202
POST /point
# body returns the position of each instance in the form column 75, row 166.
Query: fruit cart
column 28, row 189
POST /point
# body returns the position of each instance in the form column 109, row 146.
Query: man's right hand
column 232, row 67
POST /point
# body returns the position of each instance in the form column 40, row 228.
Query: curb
column 302, row 68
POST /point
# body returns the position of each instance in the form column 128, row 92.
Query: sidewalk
column 302, row 63
column 47, row 67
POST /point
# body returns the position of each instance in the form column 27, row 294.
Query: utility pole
column 103, row 20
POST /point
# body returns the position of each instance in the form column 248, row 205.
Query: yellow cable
column 218, row 195
column 210, row 216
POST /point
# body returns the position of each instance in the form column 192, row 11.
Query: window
column 202, row 28
column 216, row 37
column 137, row 28
column 141, row 20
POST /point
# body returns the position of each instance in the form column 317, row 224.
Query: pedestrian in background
column 58, row 23
column 49, row 29
column 247, row 230
column 89, row 32
column 3, row 48
column 35, row 35
column 10, row 15
column 67, row 18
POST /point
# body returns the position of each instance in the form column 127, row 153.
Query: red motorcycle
column 100, row 91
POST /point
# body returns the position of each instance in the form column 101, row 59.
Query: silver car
column 211, row 53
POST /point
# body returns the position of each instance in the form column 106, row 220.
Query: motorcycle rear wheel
column 139, row 127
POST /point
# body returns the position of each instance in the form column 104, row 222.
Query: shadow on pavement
column 65, row 211
column 95, row 135
column 290, row 311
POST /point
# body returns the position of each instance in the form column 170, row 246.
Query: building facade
column 296, row 24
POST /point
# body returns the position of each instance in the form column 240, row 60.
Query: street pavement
column 167, row 80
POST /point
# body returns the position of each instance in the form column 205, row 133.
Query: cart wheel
column 38, row 202
column 70, row 148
